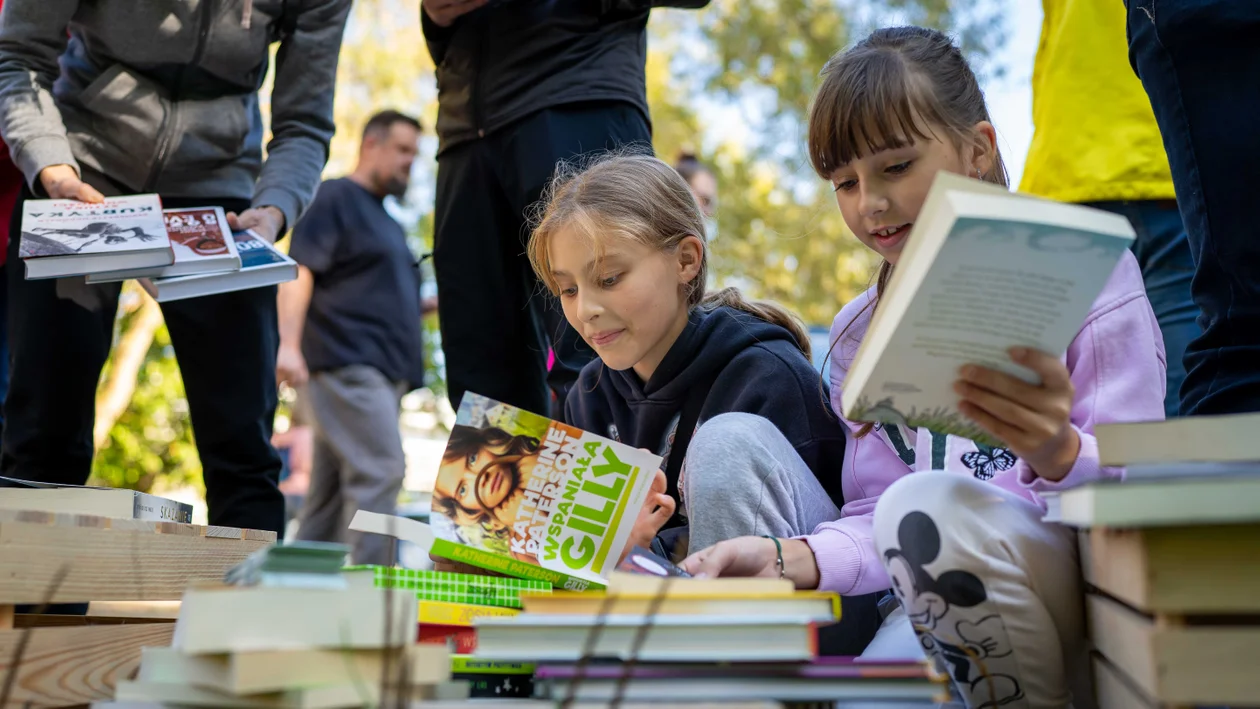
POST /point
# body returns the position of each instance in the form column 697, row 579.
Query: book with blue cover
column 262, row 264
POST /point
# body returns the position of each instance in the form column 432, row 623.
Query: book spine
column 439, row 613
column 474, row 589
column 462, row 641
column 490, row 561
column 494, row 686
column 464, row 664
column 152, row 508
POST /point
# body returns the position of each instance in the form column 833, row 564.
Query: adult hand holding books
column 62, row 182
column 266, row 222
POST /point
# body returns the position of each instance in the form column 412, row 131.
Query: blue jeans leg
column 1163, row 252
column 1199, row 61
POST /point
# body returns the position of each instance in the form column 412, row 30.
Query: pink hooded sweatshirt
column 1117, row 365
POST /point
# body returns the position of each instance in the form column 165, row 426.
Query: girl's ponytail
column 771, row 312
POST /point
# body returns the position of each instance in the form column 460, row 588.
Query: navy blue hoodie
column 759, row 370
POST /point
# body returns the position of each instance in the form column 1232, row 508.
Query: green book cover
column 470, row 665
column 455, row 588
column 533, row 498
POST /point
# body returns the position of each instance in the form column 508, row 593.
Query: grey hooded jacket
column 162, row 95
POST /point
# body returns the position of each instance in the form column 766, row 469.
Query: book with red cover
column 460, row 640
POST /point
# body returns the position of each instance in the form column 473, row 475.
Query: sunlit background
column 731, row 83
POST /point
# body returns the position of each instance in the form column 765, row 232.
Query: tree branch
column 115, row 396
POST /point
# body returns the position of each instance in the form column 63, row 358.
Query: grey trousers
column 742, row 477
column 358, row 458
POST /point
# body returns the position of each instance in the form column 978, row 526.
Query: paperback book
column 62, row 237
column 982, row 271
column 471, row 589
column 200, row 241
column 534, row 498
column 262, row 264
column 16, row 494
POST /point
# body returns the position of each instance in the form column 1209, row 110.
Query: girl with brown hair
column 953, row 526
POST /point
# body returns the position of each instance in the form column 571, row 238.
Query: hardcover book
column 63, row 237
column 201, row 244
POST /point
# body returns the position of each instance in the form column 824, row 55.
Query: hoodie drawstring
column 246, row 14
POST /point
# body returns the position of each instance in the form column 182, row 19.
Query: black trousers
column 497, row 321
column 61, row 331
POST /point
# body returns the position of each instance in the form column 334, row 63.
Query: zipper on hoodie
column 170, row 124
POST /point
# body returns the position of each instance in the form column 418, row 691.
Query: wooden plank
column 134, row 525
column 71, row 666
column 153, row 610
column 109, row 563
column 1126, row 638
column 1173, row 660
column 1115, row 691
column 6, row 617
column 33, row 620
column 1177, row 570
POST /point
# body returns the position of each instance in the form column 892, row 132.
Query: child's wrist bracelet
column 778, row 547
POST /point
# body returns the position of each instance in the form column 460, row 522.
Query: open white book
column 983, row 270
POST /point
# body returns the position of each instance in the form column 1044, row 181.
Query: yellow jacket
column 1095, row 136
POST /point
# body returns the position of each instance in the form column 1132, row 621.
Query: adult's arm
column 292, row 302
column 302, row 109
column 32, row 37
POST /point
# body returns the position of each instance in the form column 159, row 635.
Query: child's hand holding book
column 656, row 511
column 1034, row 420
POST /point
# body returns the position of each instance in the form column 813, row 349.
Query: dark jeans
column 61, row 333
column 497, row 321
column 1167, row 268
column 1199, row 61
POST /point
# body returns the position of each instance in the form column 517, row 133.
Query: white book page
column 996, row 283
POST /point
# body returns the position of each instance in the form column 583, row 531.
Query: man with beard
column 350, row 324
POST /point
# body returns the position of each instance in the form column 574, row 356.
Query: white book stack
column 267, row 647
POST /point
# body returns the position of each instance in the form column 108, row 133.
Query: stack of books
column 174, row 253
column 1169, row 556
column 447, row 606
column 685, row 640
column 295, row 633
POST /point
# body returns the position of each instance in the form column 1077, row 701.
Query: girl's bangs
column 867, row 104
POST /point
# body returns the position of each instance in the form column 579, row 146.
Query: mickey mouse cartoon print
column 947, row 611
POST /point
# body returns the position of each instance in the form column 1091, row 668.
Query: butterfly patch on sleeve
column 987, row 461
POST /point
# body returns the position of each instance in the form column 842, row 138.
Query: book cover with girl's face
column 539, row 491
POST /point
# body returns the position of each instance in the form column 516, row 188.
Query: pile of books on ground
column 447, row 606
column 654, row 639
column 291, row 630
column 561, row 504
column 174, row 253
column 1170, row 557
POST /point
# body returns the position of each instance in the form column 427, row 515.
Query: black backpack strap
column 687, row 421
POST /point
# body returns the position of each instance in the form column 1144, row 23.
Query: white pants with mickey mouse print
column 994, row 593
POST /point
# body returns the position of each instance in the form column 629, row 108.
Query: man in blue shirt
column 350, row 324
